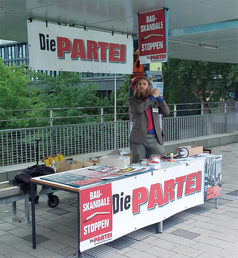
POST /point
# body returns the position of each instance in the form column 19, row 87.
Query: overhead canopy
column 198, row 29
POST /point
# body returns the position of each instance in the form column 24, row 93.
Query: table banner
column 115, row 209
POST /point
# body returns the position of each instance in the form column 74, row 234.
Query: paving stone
column 189, row 251
column 141, row 254
column 121, row 243
column 165, row 244
column 185, row 233
column 210, row 240
column 206, row 247
column 39, row 238
column 6, row 249
column 58, row 211
column 67, row 251
column 234, row 193
column 100, row 251
column 42, row 252
column 160, row 252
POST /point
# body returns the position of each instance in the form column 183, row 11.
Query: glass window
column 13, row 52
column 9, row 53
column 20, row 51
column 27, row 51
column 23, row 50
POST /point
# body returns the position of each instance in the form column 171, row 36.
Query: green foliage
column 14, row 95
column 196, row 81
column 13, row 82
column 68, row 90
column 184, row 81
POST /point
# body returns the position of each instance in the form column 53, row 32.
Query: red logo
column 96, row 211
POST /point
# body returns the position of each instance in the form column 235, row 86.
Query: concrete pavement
column 199, row 232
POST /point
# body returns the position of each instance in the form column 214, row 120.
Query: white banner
column 123, row 206
column 62, row 48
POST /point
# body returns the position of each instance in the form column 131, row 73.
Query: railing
column 19, row 145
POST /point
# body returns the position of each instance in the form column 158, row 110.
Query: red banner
column 152, row 36
column 96, row 213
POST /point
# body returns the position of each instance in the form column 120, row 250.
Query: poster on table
column 156, row 79
column 153, row 36
column 62, row 48
column 115, row 209
column 213, row 177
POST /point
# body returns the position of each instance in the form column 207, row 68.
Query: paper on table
column 204, row 155
column 123, row 152
column 191, row 158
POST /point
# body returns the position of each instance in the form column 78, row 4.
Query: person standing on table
column 145, row 107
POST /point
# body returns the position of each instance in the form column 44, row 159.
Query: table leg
column 27, row 213
column 216, row 203
column 159, row 227
column 14, row 210
column 79, row 252
column 33, row 216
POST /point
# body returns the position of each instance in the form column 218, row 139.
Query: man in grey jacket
column 145, row 107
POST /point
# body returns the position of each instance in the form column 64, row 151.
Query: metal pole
column 102, row 130
column 175, row 122
column 37, row 150
column 33, row 216
column 78, row 211
column 101, row 114
column 159, row 227
column 115, row 111
column 216, row 203
column 202, row 113
column 51, row 132
column 226, row 118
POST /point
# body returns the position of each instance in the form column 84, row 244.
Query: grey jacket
column 138, row 112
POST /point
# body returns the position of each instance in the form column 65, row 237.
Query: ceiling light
column 194, row 44
column 208, row 46
column 183, row 42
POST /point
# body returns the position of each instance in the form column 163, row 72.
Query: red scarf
column 150, row 122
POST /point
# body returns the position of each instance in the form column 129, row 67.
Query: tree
column 68, row 90
column 14, row 95
column 196, row 81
